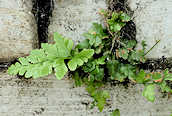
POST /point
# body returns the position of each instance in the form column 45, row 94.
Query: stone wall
column 18, row 29
column 50, row 97
column 73, row 18
column 153, row 22
column 21, row 5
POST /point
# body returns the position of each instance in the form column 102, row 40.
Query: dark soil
column 42, row 10
column 157, row 64
column 4, row 66
column 119, row 5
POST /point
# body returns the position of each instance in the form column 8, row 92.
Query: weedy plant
column 102, row 57
column 115, row 113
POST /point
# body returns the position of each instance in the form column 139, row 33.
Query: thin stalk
column 152, row 47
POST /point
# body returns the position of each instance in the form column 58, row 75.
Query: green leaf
column 137, row 56
column 140, row 78
column 91, row 90
column 36, row 56
column 100, row 97
column 97, row 41
column 14, row 69
column 93, row 39
column 23, row 61
column 144, row 45
column 115, row 113
column 113, row 19
column 23, row 71
column 156, row 76
column 89, row 67
column 100, row 104
column 78, row 80
column 119, row 76
column 105, row 94
column 101, row 60
column 83, row 45
column 112, row 66
column 164, row 87
column 32, row 59
column 115, row 16
column 128, row 70
column 80, row 58
column 45, row 70
column 149, row 92
column 123, row 53
column 115, row 27
column 104, row 12
column 98, row 73
column 167, row 75
column 60, row 68
column 50, row 51
column 63, row 45
column 98, row 29
column 124, row 17
column 117, row 21
column 41, row 62
column 130, row 43
column 98, row 49
column 95, row 35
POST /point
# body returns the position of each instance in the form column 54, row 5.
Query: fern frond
column 41, row 62
column 80, row 58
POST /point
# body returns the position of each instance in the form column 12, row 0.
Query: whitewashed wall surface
column 50, row 97
column 18, row 33
column 74, row 17
column 153, row 23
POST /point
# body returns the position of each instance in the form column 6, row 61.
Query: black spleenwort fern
column 102, row 56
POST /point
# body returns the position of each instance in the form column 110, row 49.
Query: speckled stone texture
column 22, row 5
column 18, row 34
column 18, row 31
column 153, row 22
column 51, row 97
column 72, row 18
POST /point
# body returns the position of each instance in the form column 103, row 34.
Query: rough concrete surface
column 153, row 22
column 22, row 5
column 72, row 18
column 50, row 97
column 18, row 34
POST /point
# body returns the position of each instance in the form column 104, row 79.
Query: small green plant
column 41, row 62
column 103, row 56
column 115, row 113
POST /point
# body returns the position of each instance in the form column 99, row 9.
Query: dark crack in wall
column 42, row 10
column 129, row 31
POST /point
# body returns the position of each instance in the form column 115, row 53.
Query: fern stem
column 152, row 47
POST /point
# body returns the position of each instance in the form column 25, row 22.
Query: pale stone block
column 153, row 22
column 72, row 18
column 18, row 34
column 22, row 5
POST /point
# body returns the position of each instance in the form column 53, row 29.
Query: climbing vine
column 102, row 57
